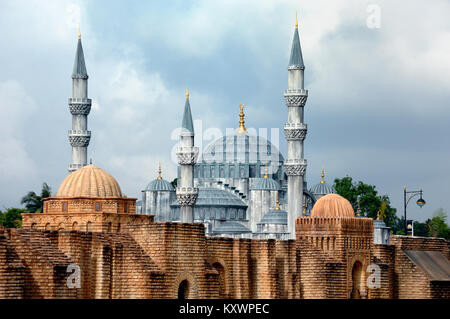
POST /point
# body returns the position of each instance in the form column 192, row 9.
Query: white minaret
column 79, row 106
column 187, row 157
column 295, row 132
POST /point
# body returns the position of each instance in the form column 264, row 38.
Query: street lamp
column 407, row 195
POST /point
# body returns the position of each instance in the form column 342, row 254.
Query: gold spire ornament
column 265, row 173
column 159, row 172
column 296, row 19
column 187, row 89
column 358, row 211
column 277, row 206
column 322, row 181
column 79, row 32
column 241, row 129
column 304, row 206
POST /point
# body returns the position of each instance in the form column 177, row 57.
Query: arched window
column 98, row 206
column 61, row 226
column 75, row 226
column 109, row 227
column 47, row 226
column 222, row 279
column 357, row 280
column 183, row 290
column 33, row 226
column 88, row 226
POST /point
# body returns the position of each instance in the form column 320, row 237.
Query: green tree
column 421, row 229
column 370, row 202
column 438, row 224
column 174, row 182
column 33, row 202
column 12, row 218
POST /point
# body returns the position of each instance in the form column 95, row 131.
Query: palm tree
column 33, row 202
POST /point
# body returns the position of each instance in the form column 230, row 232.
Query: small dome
column 265, row 184
column 231, row 227
column 89, row 181
column 322, row 189
column 332, row 205
column 274, row 216
column 159, row 185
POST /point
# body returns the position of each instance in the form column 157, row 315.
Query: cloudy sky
column 378, row 107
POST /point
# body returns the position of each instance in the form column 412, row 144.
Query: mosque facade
column 239, row 176
column 227, row 234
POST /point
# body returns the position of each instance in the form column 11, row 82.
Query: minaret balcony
column 187, row 196
column 187, row 155
column 79, row 133
column 295, row 167
column 80, row 106
column 295, row 98
column 295, row 131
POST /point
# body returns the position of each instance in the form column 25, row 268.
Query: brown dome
column 332, row 205
column 89, row 181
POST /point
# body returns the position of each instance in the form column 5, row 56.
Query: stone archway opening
column 183, row 290
column 357, row 281
column 222, row 279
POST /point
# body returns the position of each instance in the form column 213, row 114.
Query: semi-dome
column 210, row 196
column 275, row 217
column 231, row 227
column 332, row 205
column 265, row 184
column 159, row 185
column 89, row 181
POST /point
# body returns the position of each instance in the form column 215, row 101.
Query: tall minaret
column 79, row 106
column 295, row 132
column 187, row 157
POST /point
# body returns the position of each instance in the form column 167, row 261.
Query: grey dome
column 210, row 196
column 159, row 185
column 275, row 217
column 265, row 184
column 231, row 227
column 242, row 148
column 322, row 189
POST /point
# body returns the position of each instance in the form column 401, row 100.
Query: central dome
column 89, row 181
column 242, row 148
column 332, row 205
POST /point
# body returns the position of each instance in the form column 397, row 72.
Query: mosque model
column 239, row 223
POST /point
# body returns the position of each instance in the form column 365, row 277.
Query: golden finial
column 296, row 19
column 187, row 89
column 159, row 172
column 241, row 129
column 265, row 173
column 304, row 206
column 358, row 211
column 322, row 181
column 79, row 31
column 277, row 206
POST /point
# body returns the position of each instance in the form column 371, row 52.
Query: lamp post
column 407, row 195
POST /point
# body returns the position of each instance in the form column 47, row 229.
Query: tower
column 187, row 155
column 295, row 132
column 79, row 106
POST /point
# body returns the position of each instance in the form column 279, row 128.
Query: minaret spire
column 80, row 107
column 295, row 132
column 241, row 129
column 159, row 172
column 187, row 155
column 322, row 181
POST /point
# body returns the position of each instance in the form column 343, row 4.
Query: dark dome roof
column 275, row 217
column 322, row 189
column 210, row 196
column 159, row 185
column 231, row 227
column 265, row 184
